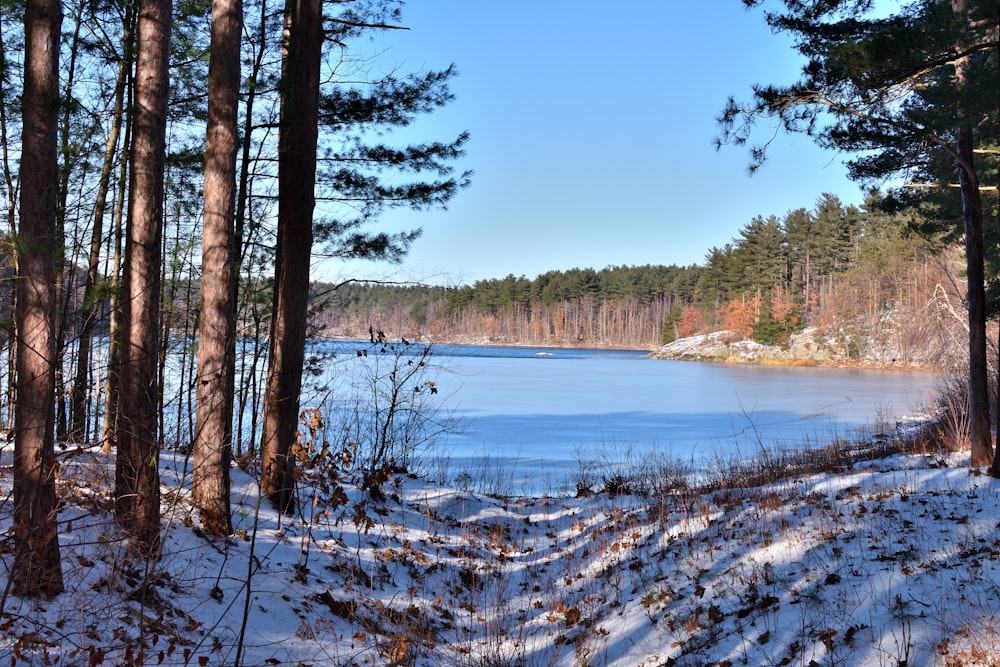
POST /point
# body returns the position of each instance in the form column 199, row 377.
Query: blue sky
column 592, row 128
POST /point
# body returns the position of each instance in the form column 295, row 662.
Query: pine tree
column 799, row 227
column 352, row 173
column 764, row 250
column 217, row 323
column 137, row 486
column 297, row 143
column 37, row 570
column 903, row 88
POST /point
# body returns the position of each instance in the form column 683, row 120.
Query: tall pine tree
column 37, row 570
column 902, row 87
column 350, row 172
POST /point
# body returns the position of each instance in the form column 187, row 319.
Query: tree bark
column 296, row 199
column 216, row 335
column 137, row 479
column 980, row 437
column 92, row 304
column 112, row 385
column 37, row 570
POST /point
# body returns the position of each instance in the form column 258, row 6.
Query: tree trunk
column 65, row 282
column 979, row 402
column 137, row 499
column 112, row 386
column 217, row 327
column 248, row 393
column 37, row 570
column 296, row 200
column 92, row 304
column 980, row 438
column 10, row 202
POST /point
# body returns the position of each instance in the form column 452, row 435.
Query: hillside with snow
column 887, row 562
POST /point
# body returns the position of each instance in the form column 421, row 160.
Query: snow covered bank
column 895, row 561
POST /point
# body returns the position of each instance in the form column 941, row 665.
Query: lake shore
column 808, row 347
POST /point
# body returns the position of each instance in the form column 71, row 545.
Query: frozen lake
column 538, row 411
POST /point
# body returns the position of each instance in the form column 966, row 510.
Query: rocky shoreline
column 809, row 347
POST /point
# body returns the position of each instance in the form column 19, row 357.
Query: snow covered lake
column 533, row 413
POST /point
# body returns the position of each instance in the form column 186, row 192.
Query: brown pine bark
column 81, row 405
column 137, row 478
column 112, row 384
column 216, row 334
column 980, row 437
column 296, row 200
column 37, row 570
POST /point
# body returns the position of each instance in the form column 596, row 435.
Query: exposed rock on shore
column 809, row 347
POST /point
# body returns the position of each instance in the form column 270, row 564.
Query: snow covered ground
column 893, row 562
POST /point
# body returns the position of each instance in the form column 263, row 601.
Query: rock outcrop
column 809, row 347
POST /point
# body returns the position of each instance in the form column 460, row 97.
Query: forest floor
column 887, row 562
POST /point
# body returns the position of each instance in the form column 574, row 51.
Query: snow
column 895, row 561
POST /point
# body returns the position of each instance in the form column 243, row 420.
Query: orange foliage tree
column 690, row 323
column 739, row 316
column 783, row 308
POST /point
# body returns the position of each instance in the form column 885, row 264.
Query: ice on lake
column 540, row 410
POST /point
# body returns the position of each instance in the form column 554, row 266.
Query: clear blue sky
column 592, row 127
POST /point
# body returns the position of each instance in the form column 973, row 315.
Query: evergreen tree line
column 865, row 269
column 778, row 275
column 617, row 306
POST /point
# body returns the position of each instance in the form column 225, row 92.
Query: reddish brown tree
column 783, row 307
column 92, row 303
column 297, row 140
column 37, row 570
column 739, row 316
column 216, row 333
column 137, row 475
column 690, row 323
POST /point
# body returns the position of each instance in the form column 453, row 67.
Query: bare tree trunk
column 65, row 285
column 92, row 304
column 248, row 393
column 981, row 439
column 112, row 386
column 137, row 479
column 37, row 570
column 10, row 201
column 980, row 436
column 296, row 200
column 216, row 334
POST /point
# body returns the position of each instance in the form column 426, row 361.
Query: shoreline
column 802, row 351
column 807, row 348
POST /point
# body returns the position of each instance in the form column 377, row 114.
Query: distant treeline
column 812, row 266
column 615, row 306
